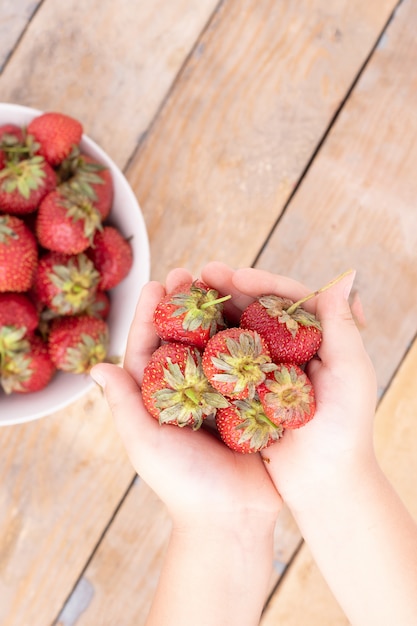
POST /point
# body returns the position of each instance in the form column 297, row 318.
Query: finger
column 220, row 277
column 123, row 396
column 142, row 339
column 176, row 277
column 253, row 283
column 341, row 337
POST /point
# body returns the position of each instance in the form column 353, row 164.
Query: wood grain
column 106, row 64
column 241, row 124
column 62, row 477
column 114, row 586
column 304, row 596
column 14, row 17
column 356, row 206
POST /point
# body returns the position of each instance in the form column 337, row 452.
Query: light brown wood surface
column 218, row 112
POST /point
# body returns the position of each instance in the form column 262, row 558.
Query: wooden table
column 281, row 135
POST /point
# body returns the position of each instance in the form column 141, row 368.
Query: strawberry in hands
column 191, row 314
column 287, row 396
column 236, row 361
column 244, row 426
column 175, row 389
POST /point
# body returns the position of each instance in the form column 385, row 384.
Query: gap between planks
column 326, row 133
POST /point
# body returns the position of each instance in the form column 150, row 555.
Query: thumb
column 125, row 402
column 341, row 336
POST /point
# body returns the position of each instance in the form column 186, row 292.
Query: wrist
column 330, row 483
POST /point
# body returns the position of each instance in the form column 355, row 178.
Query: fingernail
column 350, row 278
column 98, row 378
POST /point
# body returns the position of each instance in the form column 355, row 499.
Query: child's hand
column 194, row 473
column 340, row 435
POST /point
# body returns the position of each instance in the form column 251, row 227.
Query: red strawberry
column 292, row 334
column 175, row 389
column 245, row 428
column 28, row 370
column 287, row 396
column 236, row 361
column 17, row 310
column 76, row 343
column 85, row 175
column 66, row 222
column 112, row 256
column 11, row 139
column 56, row 135
column 100, row 306
column 18, row 254
column 24, row 183
column 65, row 284
column 191, row 314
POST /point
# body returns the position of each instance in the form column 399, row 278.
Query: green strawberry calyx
column 289, row 394
column 76, row 283
column 201, row 309
column 12, row 341
column 291, row 313
column 88, row 351
column 257, row 429
column 80, row 175
column 188, row 397
column 79, row 207
column 23, row 176
column 15, row 371
column 245, row 364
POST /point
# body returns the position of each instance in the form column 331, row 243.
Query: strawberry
column 191, row 314
column 292, row 334
column 11, row 139
column 287, row 396
column 175, row 389
column 56, row 135
column 100, row 306
column 24, row 183
column 30, row 369
column 83, row 174
column 236, row 361
column 112, row 256
column 66, row 284
column 18, row 254
column 17, row 310
column 66, row 222
column 245, row 428
column 76, row 343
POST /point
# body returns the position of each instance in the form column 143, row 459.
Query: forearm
column 365, row 544
column 214, row 578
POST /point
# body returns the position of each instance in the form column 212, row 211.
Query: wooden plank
column 244, row 119
column 303, row 595
column 62, row 477
column 106, row 64
column 140, row 534
column 356, row 206
column 14, row 18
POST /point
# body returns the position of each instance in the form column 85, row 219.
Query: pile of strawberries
column 249, row 377
column 59, row 256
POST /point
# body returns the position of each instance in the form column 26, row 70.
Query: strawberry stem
column 295, row 306
column 191, row 394
column 212, row 302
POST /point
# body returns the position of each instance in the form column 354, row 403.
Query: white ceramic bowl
column 127, row 216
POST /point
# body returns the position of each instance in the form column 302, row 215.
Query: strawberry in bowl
column 47, row 160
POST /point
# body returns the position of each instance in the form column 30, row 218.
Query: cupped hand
column 339, row 438
column 193, row 472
